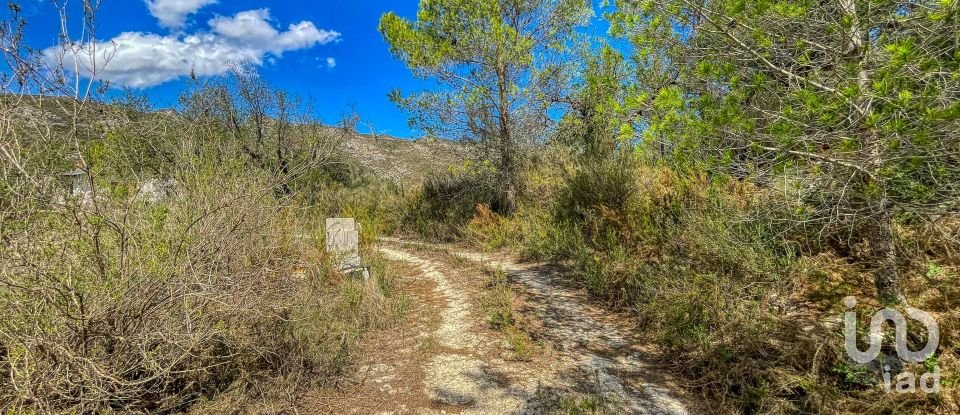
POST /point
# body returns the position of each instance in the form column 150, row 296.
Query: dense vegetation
column 728, row 170
column 185, row 274
column 178, row 265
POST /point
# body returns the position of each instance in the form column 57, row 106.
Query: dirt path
column 458, row 374
column 587, row 355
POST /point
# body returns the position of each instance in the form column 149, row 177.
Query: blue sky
column 327, row 51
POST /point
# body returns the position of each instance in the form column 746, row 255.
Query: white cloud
column 140, row 60
column 253, row 28
column 172, row 14
column 331, row 63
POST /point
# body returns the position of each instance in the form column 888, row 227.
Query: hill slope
column 403, row 161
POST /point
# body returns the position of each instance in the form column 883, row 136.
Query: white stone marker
column 343, row 241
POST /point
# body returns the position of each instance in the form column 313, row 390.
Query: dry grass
column 499, row 303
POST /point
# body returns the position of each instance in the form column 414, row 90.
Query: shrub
column 119, row 303
column 443, row 206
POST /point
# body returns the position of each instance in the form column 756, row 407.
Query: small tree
column 499, row 67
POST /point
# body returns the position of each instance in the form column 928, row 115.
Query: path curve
column 586, row 340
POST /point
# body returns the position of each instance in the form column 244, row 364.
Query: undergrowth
column 745, row 303
column 207, row 290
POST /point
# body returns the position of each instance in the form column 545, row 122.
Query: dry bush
column 129, row 305
column 121, row 300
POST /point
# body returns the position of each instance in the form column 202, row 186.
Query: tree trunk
column 509, row 174
column 510, row 195
column 883, row 249
column 507, row 160
column 880, row 233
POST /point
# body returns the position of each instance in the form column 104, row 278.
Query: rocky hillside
column 404, row 161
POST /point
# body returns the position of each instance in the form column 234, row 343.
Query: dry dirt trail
column 448, row 360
